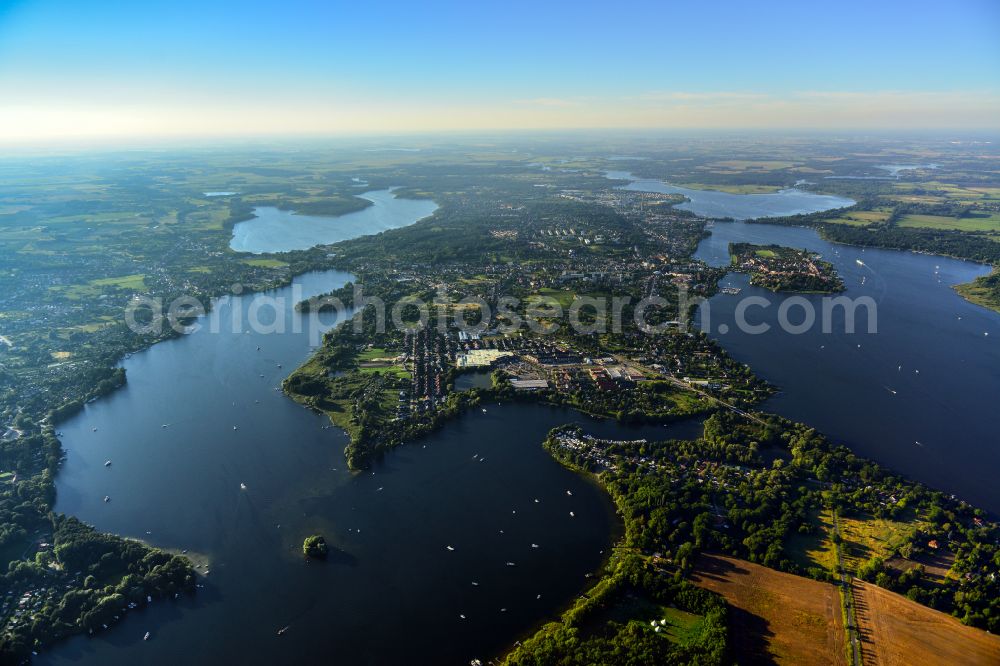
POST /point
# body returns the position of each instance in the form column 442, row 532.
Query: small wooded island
column 781, row 268
column 315, row 547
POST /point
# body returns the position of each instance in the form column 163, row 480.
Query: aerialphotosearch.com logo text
column 265, row 314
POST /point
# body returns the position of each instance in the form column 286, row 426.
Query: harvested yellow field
column 898, row 632
column 776, row 617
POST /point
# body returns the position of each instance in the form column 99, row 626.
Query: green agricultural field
column 816, row 549
column 128, row 218
column 397, row 370
column 562, row 296
column 136, row 281
column 990, row 193
column 373, row 354
column 863, row 538
column 681, row 626
column 971, row 222
column 866, row 537
column 686, row 402
column 265, row 263
column 379, row 360
column 732, row 189
column 473, row 281
column 955, row 193
column 850, row 221
column 729, row 166
column 862, row 218
column 95, row 288
column 93, row 326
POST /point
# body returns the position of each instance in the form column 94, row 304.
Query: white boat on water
column 243, row 486
column 107, row 463
column 449, row 548
column 146, row 637
column 859, row 262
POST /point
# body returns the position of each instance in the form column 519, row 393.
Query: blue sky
column 187, row 67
